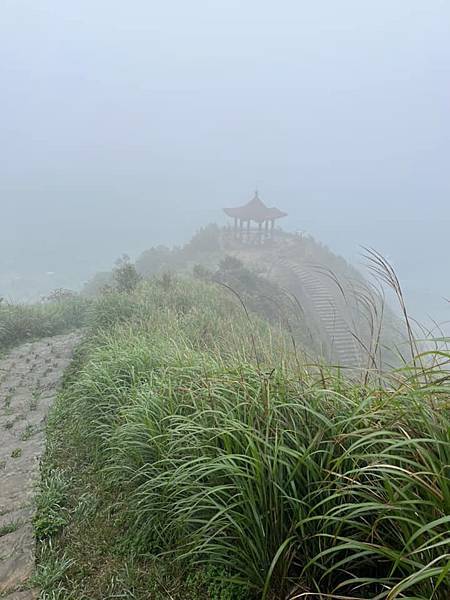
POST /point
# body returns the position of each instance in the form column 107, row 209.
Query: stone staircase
column 328, row 312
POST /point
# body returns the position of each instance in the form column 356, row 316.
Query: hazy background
column 128, row 124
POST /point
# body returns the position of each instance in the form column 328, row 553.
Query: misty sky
column 125, row 124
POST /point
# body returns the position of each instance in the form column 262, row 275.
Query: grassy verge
column 190, row 457
column 22, row 323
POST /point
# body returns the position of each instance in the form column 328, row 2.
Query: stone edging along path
column 29, row 379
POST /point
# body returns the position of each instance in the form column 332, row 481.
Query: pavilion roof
column 255, row 210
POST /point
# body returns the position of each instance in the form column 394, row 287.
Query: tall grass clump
column 24, row 322
column 220, row 451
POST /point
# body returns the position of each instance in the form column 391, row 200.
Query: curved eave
column 275, row 213
column 232, row 212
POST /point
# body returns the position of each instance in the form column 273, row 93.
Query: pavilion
column 263, row 216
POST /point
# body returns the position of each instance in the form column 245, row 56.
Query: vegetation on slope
column 203, row 249
column 280, row 296
column 61, row 312
column 190, row 455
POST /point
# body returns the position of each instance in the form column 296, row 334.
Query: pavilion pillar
column 241, row 228
column 260, row 232
column 248, row 231
column 272, row 226
column 235, row 227
column 266, row 229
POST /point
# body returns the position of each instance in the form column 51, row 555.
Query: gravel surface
column 29, row 379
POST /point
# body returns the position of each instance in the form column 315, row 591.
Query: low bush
column 210, row 447
column 25, row 322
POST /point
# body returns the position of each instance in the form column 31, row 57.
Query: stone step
column 326, row 308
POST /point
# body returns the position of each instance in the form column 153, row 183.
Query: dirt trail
column 29, row 378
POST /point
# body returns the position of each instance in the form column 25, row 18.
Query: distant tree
column 201, row 272
column 155, row 260
column 97, row 284
column 125, row 276
column 207, row 239
column 230, row 263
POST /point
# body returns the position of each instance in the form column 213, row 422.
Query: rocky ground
column 29, row 379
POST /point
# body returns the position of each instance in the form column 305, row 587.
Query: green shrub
column 284, row 486
column 204, row 247
column 21, row 323
column 220, row 451
column 125, row 276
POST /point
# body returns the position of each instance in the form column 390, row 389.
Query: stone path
column 29, row 378
column 334, row 319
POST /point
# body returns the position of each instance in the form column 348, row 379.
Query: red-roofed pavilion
column 256, row 211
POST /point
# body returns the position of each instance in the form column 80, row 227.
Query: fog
column 129, row 124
